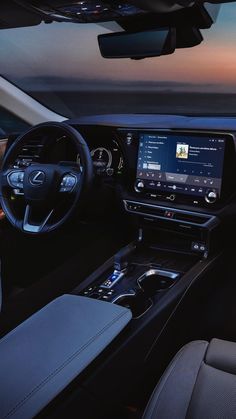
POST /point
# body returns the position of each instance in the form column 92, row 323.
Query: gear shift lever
column 121, row 263
column 121, row 260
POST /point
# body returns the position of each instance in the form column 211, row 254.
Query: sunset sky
column 70, row 51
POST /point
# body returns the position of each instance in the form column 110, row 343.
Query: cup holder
column 151, row 282
column 156, row 280
column 138, row 303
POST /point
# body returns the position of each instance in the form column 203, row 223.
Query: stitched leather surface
column 44, row 354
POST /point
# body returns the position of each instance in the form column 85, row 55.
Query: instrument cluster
column 106, row 154
column 107, row 159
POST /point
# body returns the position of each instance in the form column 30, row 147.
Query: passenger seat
column 200, row 383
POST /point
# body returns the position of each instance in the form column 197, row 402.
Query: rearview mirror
column 138, row 45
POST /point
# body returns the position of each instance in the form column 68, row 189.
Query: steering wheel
column 36, row 197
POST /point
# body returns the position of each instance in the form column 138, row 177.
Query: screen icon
column 182, row 151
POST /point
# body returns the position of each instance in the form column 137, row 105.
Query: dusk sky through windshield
column 65, row 52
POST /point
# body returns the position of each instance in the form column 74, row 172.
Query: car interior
column 117, row 209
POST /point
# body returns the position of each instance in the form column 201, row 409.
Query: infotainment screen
column 187, row 164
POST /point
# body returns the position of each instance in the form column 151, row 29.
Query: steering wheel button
column 21, row 177
column 67, row 184
column 70, row 181
column 15, row 179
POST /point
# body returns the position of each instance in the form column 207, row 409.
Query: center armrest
column 45, row 353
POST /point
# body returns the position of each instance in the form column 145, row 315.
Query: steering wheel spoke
column 13, row 179
column 30, row 226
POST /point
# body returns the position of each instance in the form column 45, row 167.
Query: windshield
column 60, row 65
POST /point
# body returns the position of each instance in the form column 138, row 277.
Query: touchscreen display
column 178, row 163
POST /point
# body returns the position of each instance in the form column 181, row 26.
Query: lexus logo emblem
column 37, row 178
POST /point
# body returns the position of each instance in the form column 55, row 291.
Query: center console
column 176, row 183
column 174, row 188
column 139, row 276
column 154, row 283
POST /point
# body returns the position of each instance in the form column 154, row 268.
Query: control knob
column 139, row 185
column 211, row 197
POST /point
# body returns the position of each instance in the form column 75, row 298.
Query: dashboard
column 169, row 162
column 186, row 163
column 173, row 174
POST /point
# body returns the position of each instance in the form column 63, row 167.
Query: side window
column 10, row 123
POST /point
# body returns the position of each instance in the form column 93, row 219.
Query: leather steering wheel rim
column 82, row 178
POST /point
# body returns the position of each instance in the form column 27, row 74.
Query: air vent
column 192, row 218
column 168, row 214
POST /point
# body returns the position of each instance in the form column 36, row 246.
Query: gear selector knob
column 121, row 260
